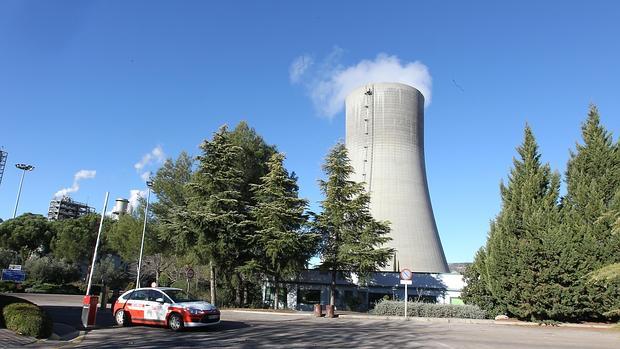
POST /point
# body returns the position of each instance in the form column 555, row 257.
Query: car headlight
column 194, row 311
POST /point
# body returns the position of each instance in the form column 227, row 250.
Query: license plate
column 213, row 317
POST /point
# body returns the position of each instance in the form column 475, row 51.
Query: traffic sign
column 190, row 273
column 13, row 275
column 15, row 267
column 406, row 274
column 406, row 282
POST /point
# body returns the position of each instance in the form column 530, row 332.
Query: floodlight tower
column 24, row 168
column 3, row 156
column 149, row 184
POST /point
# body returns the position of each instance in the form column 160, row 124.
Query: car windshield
column 179, row 296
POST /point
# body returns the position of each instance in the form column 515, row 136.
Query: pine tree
column 282, row 249
column 593, row 185
column 519, row 247
column 254, row 153
column 351, row 239
column 215, row 207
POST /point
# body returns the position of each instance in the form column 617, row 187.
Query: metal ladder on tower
column 368, row 148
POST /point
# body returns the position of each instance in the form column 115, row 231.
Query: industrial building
column 121, row 207
column 312, row 287
column 385, row 143
column 66, row 208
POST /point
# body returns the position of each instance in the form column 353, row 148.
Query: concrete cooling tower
column 385, row 142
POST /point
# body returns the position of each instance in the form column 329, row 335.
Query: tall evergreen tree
column 281, row 247
column 215, row 206
column 477, row 289
column 351, row 239
column 252, row 162
column 169, row 184
column 593, row 186
column 519, row 247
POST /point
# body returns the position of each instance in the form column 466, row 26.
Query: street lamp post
column 24, row 168
column 149, row 184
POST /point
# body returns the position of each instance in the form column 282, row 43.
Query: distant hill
column 458, row 267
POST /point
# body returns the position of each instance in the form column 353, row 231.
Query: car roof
column 163, row 289
column 159, row 288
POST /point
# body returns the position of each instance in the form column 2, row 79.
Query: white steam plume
column 134, row 198
column 80, row 175
column 329, row 85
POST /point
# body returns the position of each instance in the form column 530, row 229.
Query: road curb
column 417, row 319
column 266, row 312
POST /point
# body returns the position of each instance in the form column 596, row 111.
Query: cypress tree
column 476, row 290
column 518, row 255
column 593, row 188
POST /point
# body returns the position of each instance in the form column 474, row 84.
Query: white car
column 171, row 307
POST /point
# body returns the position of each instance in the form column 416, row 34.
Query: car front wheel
column 121, row 318
column 175, row 322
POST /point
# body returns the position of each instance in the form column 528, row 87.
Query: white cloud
column 146, row 175
column 329, row 85
column 80, row 175
column 156, row 155
column 134, row 197
column 299, row 66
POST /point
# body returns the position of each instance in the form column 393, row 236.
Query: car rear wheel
column 175, row 322
column 122, row 318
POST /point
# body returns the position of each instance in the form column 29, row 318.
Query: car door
column 156, row 307
column 136, row 305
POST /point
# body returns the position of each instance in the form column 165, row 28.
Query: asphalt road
column 247, row 330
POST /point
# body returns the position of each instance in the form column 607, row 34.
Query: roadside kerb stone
column 432, row 320
column 266, row 312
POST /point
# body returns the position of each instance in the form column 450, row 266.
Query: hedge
column 54, row 289
column 23, row 317
column 10, row 286
column 396, row 308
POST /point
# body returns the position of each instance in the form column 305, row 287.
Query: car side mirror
column 159, row 300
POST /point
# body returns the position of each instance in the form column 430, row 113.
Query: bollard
column 329, row 311
column 318, row 311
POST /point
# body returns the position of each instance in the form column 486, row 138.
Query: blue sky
column 99, row 85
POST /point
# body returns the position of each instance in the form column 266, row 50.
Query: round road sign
column 190, row 273
column 406, row 274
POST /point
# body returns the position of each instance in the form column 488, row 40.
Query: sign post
column 189, row 273
column 406, row 277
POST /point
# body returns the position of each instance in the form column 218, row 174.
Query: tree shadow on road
column 297, row 333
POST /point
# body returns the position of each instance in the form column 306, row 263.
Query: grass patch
column 23, row 317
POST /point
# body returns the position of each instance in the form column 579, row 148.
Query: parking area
column 244, row 330
column 260, row 330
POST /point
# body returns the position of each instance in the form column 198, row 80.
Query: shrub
column 27, row 319
column 396, row 308
column 55, row 289
column 46, row 269
column 8, row 257
column 10, row 286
